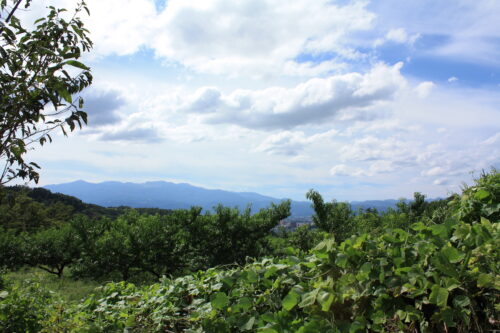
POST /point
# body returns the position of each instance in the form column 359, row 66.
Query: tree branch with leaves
column 40, row 75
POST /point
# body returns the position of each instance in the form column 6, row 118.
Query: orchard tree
column 333, row 217
column 54, row 249
column 40, row 78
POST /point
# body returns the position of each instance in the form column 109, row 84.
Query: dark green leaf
column 77, row 64
column 220, row 301
column 482, row 194
column 290, row 300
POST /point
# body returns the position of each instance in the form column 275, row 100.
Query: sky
column 356, row 99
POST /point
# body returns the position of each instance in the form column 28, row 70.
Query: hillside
column 167, row 195
column 35, row 207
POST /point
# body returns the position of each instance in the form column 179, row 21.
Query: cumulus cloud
column 373, row 169
column 220, row 36
column 401, row 36
column 254, row 37
column 424, row 89
column 205, row 100
column 436, row 171
column 289, row 143
column 493, row 140
column 102, row 106
column 398, row 35
column 112, row 29
column 344, row 170
column 372, row 148
column 382, row 166
column 441, row 181
column 471, row 28
column 311, row 102
column 285, row 143
column 226, row 37
column 141, row 135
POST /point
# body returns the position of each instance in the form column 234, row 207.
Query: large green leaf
column 309, row 298
column 325, row 299
column 461, row 301
column 77, row 64
column 267, row 330
column 63, row 92
column 220, row 301
column 485, row 280
column 245, row 303
column 452, row 254
column 482, row 194
column 290, row 300
column 439, row 296
column 248, row 325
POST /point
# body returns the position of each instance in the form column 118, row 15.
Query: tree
column 12, row 249
column 334, row 217
column 39, row 74
column 417, row 206
column 304, row 238
column 54, row 249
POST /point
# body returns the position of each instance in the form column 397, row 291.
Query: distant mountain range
column 167, row 195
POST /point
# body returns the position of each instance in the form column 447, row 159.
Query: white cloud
column 226, row 37
column 382, row 166
column 400, row 35
column 397, row 35
column 204, row 100
column 435, row 171
column 452, row 79
column 344, row 170
column 101, row 107
column 255, row 38
column 120, row 27
column 311, row 102
column 424, row 89
column 284, row 143
column 138, row 134
column 469, row 30
column 493, row 140
column 289, row 143
column 441, row 181
column 372, row 148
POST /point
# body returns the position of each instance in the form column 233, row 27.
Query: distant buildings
column 292, row 223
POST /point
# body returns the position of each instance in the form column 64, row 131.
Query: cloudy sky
column 357, row 99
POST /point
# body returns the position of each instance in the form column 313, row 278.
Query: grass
column 68, row 289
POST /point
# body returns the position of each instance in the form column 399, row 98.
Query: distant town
column 292, row 223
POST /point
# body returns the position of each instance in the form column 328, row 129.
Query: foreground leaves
column 363, row 284
column 430, row 278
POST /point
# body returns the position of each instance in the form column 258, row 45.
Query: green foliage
column 180, row 242
column 21, row 213
column 303, row 239
column 13, row 248
column 228, row 236
column 66, row 288
column 54, row 249
column 33, row 209
column 430, row 280
column 24, row 307
column 333, row 217
column 36, row 87
column 428, row 277
column 482, row 199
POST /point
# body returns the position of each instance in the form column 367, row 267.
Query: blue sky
column 357, row 99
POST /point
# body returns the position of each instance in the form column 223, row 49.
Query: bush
column 480, row 200
column 24, row 307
